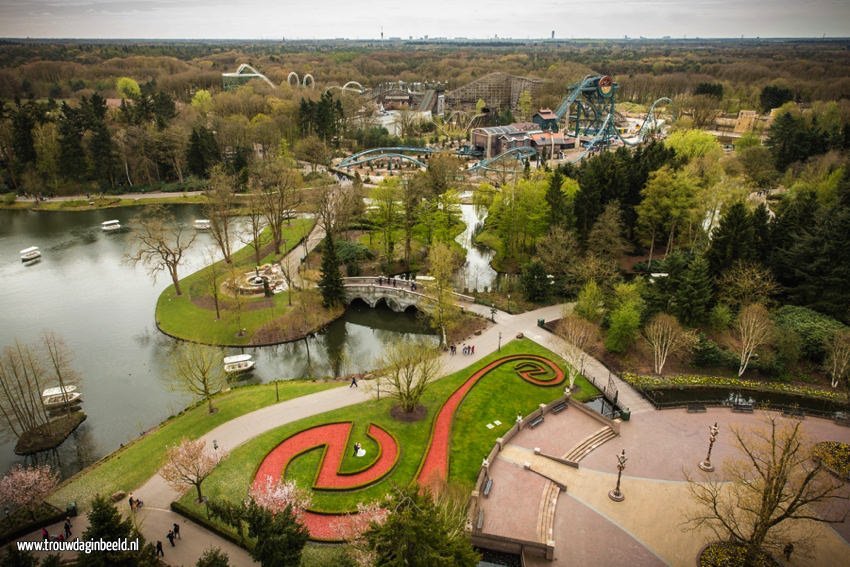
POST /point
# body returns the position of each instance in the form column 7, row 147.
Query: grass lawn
column 130, row 466
column 191, row 316
column 500, row 395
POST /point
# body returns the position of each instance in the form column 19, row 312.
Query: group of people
column 466, row 349
column 395, row 282
column 135, row 503
column 173, row 533
column 64, row 535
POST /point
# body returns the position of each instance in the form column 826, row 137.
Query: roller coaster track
column 375, row 154
column 520, row 153
column 350, row 86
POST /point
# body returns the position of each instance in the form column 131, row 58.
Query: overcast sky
column 304, row 19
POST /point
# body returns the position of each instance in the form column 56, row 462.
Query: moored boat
column 61, row 400
column 110, row 225
column 239, row 363
column 202, row 224
column 58, row 391
column 30, row 254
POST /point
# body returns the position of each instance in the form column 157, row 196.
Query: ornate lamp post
column 712, row 437
column 500, row 341
column 615, row 494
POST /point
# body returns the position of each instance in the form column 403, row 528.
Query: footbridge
column 398, row 152
column 399, row 295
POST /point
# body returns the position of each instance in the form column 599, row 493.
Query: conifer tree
column 694, row 294
column 330, row 284
column 732, row 240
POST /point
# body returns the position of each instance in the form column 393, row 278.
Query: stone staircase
column 587, row 446
column 551, row 491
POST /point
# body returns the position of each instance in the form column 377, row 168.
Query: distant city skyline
column 328, row 19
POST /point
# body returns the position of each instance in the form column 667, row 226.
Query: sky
column 355, row 19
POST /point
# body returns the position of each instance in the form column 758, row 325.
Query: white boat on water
column 239, row 363
column 58, row 391
column 30, row 254
column 202, row 224
column 61, row 400
column 110, row 225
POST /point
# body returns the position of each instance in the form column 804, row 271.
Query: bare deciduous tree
column 22, row 380
column 407, row 369
column 161, row 243
column 775, row 481
column 838, row 356
column 579, row 335
column 198, row 370
column 221, row 199
column 746, row 283
column 254, row 212
column 666, row 337
column 753, row 328
column 189, row 464
column 277, row 185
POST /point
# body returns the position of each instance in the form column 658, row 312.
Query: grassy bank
column 130, row 466
column 500, row 395
column 107, row 202
column 191, row 316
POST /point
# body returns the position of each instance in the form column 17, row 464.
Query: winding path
column 156, row 517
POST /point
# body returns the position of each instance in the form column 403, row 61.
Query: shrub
column 812, row 327
column 9, row 198
column 720, row 317
column 707, row 353
column 624, row 327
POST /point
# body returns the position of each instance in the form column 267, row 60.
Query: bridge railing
column 401, row 286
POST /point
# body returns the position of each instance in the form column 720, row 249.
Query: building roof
column 545, row 138
column 546, row 114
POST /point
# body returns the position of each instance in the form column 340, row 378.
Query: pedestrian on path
column 170, row 537
column 176, row 531
column 67, row 527
column 471, row 349
column 132, row 502
column 159, row 551
column 45, row 534
column 353, row 382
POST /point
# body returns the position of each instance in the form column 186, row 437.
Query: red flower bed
column 335, row 438
column 435, row 465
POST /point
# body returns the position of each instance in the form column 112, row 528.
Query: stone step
column 546, row 517
column 587, row 446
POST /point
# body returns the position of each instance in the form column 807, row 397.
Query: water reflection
column 103, row 308
column 476, row 273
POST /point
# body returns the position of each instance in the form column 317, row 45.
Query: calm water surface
column 104, row 309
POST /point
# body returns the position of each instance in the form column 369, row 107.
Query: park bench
column 742, row 408
column 488, row 486
column 559, row 408
column 480, row 522
column 536, row 421
column 696, row 408
column 796, row 413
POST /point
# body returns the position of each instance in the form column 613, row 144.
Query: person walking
column 176, row 531
column 45, row 534
column 132, row 502
column 471, row 349
column 159, row 551
column 170, row 537
column 353, row 382
column 67, row 527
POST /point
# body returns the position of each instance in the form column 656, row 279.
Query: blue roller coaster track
column 375, row 154
column 523, row 152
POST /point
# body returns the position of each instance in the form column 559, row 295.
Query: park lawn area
column 183, row 317
column 501, row 394
column 132, row 465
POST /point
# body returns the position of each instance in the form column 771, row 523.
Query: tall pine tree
column 694, row 294
column 732, row 240
column 330, row 283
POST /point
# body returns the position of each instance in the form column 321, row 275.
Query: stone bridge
column 398, row 297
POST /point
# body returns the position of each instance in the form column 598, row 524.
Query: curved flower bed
column 335, row 439
column 835, row 456
column 654, row 382
column 435, row 465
